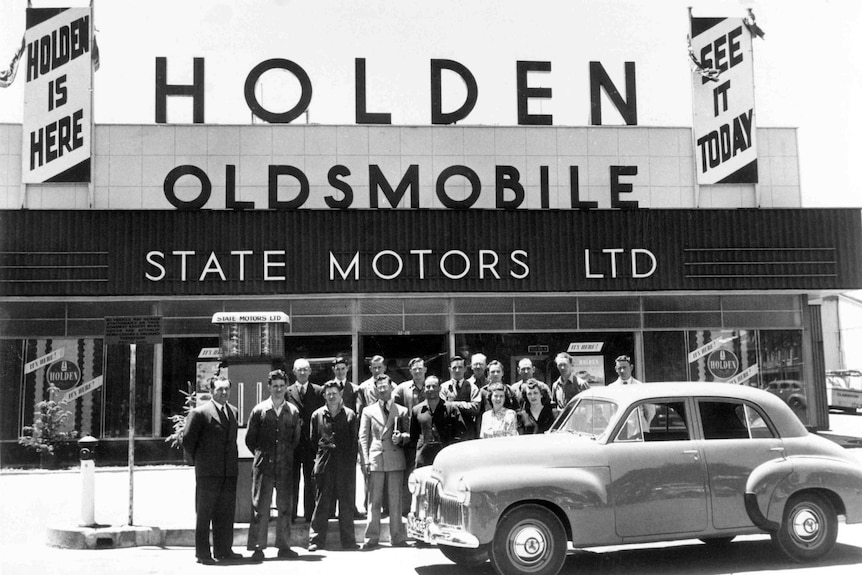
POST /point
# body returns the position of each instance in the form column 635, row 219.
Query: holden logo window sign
column 63, row 374
column 722, row 363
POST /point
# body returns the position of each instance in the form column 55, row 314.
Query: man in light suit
column 383, row 430
column 273, row 434
column 209, row 440
column 307, row 397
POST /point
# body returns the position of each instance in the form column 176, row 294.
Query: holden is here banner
column 57, row 95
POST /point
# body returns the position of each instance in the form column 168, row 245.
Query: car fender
column 579, row 495
column 771, row 485
column 759, row 490
column 841, row 478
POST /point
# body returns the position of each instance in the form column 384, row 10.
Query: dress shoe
column 359, row 514
column 287, row 553
column 206, row 561
column 370, row 544
column 257, row 556
column 312, row 547
column 400, row 544
column 229, row 556
column 350, row 547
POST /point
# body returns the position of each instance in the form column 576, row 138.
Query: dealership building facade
column 408, row 241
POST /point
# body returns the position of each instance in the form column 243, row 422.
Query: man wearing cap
column 273, row 434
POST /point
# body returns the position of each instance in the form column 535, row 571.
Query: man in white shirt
column 623, row 367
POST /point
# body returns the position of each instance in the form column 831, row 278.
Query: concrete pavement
column 46, row 504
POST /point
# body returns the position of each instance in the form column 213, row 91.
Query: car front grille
column 442, row 509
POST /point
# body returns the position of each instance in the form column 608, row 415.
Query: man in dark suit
column 459, row 392
column 209, row 439
column 307, row 397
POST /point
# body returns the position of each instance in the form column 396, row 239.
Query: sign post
column 132, row 330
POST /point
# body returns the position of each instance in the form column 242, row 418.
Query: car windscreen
column 586, row 417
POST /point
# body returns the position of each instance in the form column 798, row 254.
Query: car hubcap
column 806, row 525
column 529, row 544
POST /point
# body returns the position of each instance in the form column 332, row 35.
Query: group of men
column 321, row 432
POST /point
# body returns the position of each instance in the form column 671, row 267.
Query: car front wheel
column 464, row 556
column 529, row 539
column 809, row 527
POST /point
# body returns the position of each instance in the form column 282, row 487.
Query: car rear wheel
column 809, row 527
column 466, row 557
column 529, row 539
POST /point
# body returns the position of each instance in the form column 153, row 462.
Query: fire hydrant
column 87, row 449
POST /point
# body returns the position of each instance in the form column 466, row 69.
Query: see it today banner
column 57, row 112
column 723, row 97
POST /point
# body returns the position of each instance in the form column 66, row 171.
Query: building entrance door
column 398, row 350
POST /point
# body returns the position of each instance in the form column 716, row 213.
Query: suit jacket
column 306, row 404
column 375, row 437
column 431, row 431
column 468, row 401
column 210, row 444
column 407, row 394
column 273, row 439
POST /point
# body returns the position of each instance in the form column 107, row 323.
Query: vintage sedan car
column 639, row 463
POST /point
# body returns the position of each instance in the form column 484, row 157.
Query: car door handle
column 777, row 450
column 691, row 452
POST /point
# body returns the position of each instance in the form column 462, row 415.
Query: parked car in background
column 790, row 390
column 637, row 464
column 844, row 389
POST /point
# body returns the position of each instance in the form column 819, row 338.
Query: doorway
column 398, row 350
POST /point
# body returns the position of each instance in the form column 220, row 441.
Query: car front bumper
column 429, row 531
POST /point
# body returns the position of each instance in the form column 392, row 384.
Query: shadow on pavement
column 748, row 556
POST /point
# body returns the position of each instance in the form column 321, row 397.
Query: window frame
column 770, row 426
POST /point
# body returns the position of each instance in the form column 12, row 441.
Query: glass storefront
column 687, row 337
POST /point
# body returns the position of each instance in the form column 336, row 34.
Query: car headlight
column 413, row 483
column 462, row 492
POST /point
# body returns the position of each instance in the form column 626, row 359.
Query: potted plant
column 178, row 421
column 48, row 431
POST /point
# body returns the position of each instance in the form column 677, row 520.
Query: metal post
column 87, row 449
column 132, row 349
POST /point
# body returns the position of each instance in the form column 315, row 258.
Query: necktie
column 221, row 416
column 385, row 412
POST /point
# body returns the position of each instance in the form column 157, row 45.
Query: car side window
column 655, row 421
column 731, row 420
